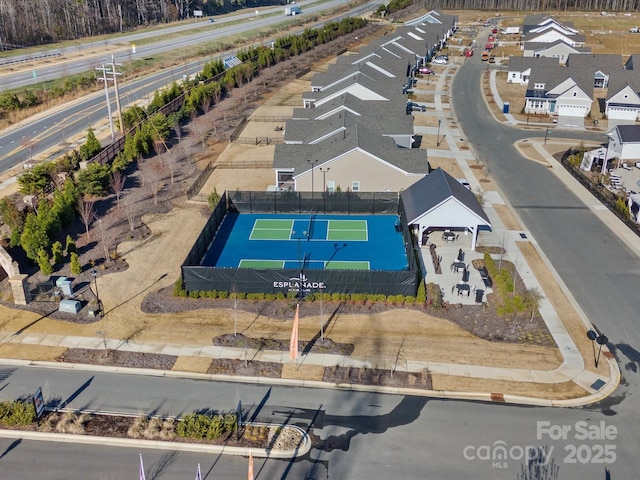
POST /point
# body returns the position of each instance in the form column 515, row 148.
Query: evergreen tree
column 76, row 267
column 91, row 147
column 44, row 263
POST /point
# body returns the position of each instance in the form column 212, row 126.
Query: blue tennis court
column 311, row 241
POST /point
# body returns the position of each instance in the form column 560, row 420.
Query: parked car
column 439, row 61
column 416, row 107
column 426, row 71
column 494, row 31
column 486, row 24
column 634, row 29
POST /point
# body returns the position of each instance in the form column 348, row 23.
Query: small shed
column 69, row 306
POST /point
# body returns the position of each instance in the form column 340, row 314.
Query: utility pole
column 109, row 74
column 115, row 87
column 104, row 79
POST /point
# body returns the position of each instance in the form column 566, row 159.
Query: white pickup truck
column 634, row 29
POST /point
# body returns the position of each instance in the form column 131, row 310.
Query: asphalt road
column 51, row 132
column 151, row 43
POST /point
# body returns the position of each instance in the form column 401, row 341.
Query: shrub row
column 179, row 291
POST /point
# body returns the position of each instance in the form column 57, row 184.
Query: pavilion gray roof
column 354, row 137
column 435, row 188
column 307, row 131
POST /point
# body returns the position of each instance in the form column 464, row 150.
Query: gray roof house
column 601, row 65
column 348, row 103
column 559, row 91
column 399, row 127
column 624, row 142
column 623, row 96
column 438, row 202
column 539, row 22
column 358, row 160
column 520, row 67
column 558, row 49
column 360, row 85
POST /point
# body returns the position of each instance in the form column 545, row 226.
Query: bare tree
column 87, row 213
column 116, row 182
column 106, row 238
column 130, row 211
column 171, row 160
column 152, row 174
column 398, row 357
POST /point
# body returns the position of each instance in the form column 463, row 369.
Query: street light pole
column 324, row 188
column 438, row 137
column 313, row 163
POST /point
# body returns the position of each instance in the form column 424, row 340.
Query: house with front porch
column 559, row 91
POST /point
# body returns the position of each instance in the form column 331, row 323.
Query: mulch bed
column 119, row 358
column 378, row 377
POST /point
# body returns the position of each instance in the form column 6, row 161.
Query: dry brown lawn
column 507, row 217
column 192, row 364
column 563, row 307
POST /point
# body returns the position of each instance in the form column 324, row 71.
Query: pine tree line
column 37, row 22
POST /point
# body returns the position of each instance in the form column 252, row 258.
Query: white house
column 559, row 91
column 623, row 96
column 625, row 143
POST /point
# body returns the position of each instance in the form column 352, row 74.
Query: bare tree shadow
column 137, row 294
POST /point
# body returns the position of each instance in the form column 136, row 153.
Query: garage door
column 572, row 110
column 614, row 113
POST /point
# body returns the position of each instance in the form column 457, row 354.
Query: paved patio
column 450, row 277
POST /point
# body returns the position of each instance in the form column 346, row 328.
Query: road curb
column 303, row 449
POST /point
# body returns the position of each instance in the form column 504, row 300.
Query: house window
column 355, row 186
column 331, row 186
column 575, row 94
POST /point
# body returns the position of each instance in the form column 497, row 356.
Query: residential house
column 601, row 66
column 439, row 202
column 623, row 96
column 359, row 85
column 544, row 29
column 558, row 49
column 520, row 67
column 624, row 142
column 309, row 132
column 358, row 160
column 559, row 91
